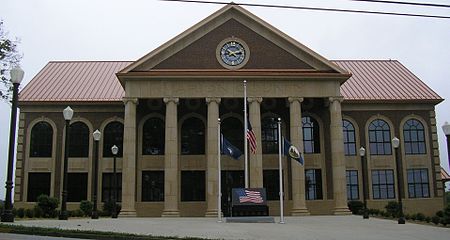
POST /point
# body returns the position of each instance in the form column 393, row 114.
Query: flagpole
column 280, row 173
column 245, row 136
column 219, row 191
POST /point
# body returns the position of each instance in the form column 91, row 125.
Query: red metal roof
column 444, row 175
column 95, row 81
column 383, row 80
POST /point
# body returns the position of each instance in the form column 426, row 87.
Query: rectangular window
column 193, row 186
column 108, row 187
column 153, row 186
column 383, row 184
column 38, row 183
column 77, row 185
column 418, row 183
column 352, row 185
column 271, row 182
column 313, row 184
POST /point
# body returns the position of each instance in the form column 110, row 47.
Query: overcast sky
column 126, row 30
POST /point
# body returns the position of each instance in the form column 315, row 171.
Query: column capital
column 130, row 99
column 338, row 98
column 254, row 99
column 293, row 99
column 213, row 99
column 171, row 99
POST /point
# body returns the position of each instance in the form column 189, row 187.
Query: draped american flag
column 249, row 196
column 251, row 137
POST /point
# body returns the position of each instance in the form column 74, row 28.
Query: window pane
column 153, row 137
column 78, row 140
column 193, row 137
column 38, row 183
column 113, row 135
column 153, row 186
column 77, row 184
column 193, row 186
column 108, row 187
column 41, row 140
column 271, row 183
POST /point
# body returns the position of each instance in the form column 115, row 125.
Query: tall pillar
column 212, row 151
column 298, row 171
column 255, row 165
column 129, row 159
column 171, row 160
column 337, row 157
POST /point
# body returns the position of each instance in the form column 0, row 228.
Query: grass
column 56, row 232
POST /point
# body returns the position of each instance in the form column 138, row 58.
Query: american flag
column 249, row 196
column 251, row 137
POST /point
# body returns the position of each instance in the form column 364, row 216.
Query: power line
column 315, row 9
column 406, row 3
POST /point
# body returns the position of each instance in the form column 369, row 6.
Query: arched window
column 79, row 140
column 233, row 130
column 192, row 137
column 41, row 141
column 269, row 135
column 414, row 135
column 311, row 137
column 113, row 135
column 380, row 138
column 349, row 138
column 153, row 137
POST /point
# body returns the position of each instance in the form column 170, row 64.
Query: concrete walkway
column 310, row 227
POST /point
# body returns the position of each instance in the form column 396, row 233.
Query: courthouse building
column 162, row 110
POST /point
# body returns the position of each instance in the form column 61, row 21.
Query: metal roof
column 95, row 81
column 444, row 175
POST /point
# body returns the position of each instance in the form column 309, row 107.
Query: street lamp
column 401, row 217
column 97, row 135
column 446, row 129
column 362, row 153
column 68, row 114
column 114, row 151
column 16, row 77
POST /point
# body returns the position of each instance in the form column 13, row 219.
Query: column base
column 211, row 213
column 300, row 212
column 127, row 213
column 170, row 213
column 341, row 211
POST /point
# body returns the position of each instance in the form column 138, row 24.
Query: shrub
column 108, row 208
column 427, row 219
column 420, row 216
column 78, row 213
column 1, row 207
column 392, row 208
column 374, row 212
column 443, row 221
column 413, row 217
column 435, row 219
column 48, row 205
column 29, row 213
column 21, row 212
column 38, row 212
column 440, row 213
column 356, row 206
column 407, row 216
column 86, row 207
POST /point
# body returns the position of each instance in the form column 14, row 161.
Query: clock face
column 232, row 53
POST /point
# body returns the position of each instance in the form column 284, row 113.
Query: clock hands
column 235, row 53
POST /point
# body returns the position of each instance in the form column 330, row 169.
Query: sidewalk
column 310, row 227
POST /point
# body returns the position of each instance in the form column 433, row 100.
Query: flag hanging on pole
column 229, row 149
column 251, row 137
column 291, row 151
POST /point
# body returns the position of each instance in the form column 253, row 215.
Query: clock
column 232, row 53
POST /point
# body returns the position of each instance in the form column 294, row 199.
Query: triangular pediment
column 269, row 48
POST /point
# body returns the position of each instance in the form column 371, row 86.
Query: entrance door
column 230, row 180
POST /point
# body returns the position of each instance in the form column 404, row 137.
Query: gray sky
column 126, row 30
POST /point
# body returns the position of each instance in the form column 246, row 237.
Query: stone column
column 255, row 163
column 129, row 159
column 212, row 151
column 298, row 171
column 171, row 160
column 337, row 157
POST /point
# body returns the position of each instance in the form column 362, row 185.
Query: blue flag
column 291, row 151
column 229, row 149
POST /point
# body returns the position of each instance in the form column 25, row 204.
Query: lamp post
column 446, row 129
column 114, row 151
column 362, row 154
column 97, row 135
column 16, row 77
column 68, row 114
column 396, row 144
